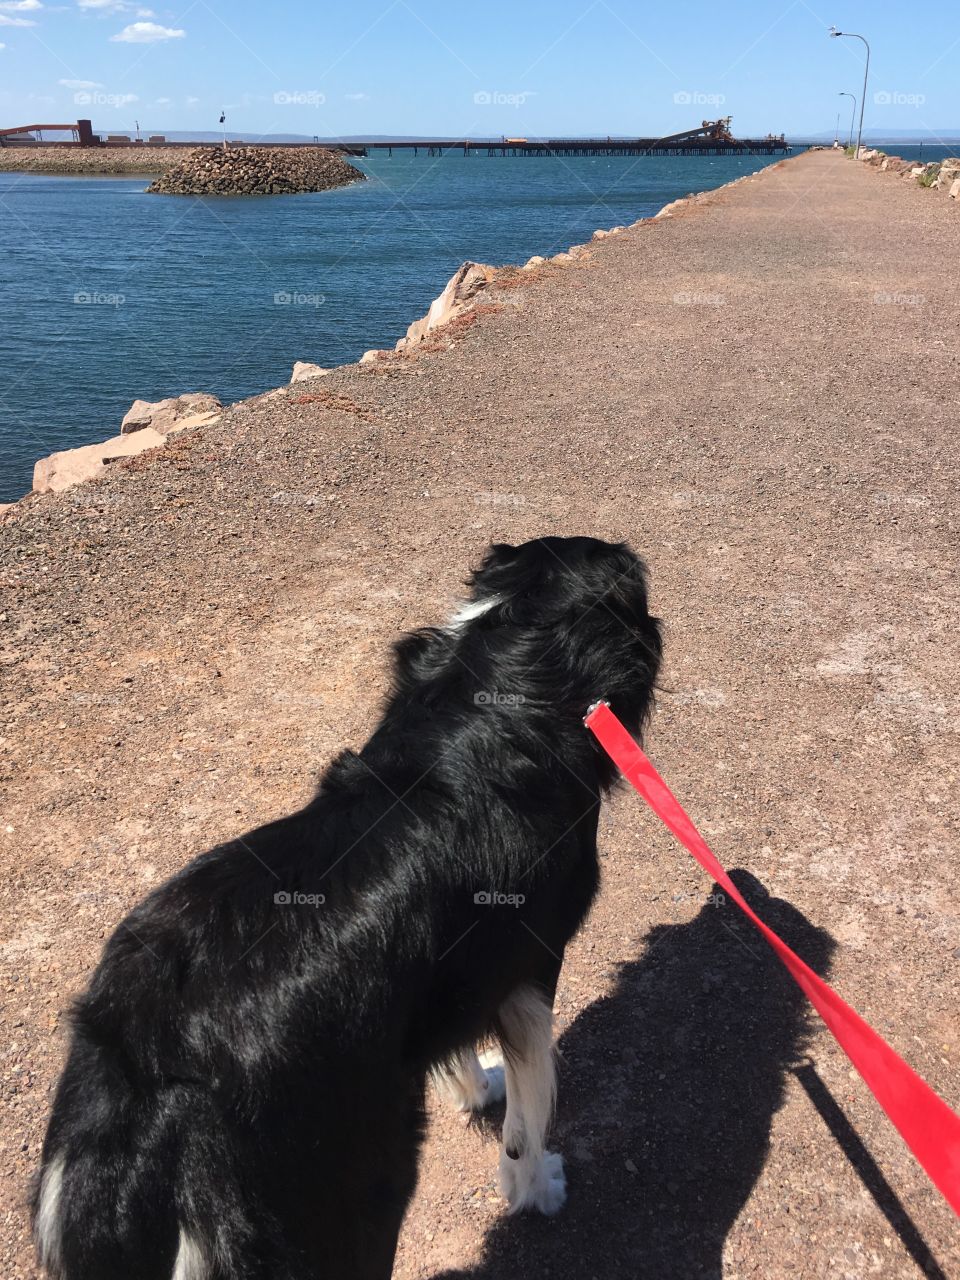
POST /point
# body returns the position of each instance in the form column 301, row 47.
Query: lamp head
column 835, row 32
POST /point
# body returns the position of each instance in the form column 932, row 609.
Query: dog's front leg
column 530, row 1176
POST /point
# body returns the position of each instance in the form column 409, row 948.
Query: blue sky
column 438, row 66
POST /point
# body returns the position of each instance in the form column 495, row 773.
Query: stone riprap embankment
column 90, row 160
column 256, row 171
column 146, row 425
column 940, row 175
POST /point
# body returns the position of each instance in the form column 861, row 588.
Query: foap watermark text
column 492, row 898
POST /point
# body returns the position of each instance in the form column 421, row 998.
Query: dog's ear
column 623, row 588
column 497, row 570
column 521, row 578
column 419, row 655
column 498, row 556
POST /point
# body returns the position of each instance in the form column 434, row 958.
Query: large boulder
column 949, row 172
column 162, row 415
column 191, row 421
column 458, row 296
column 303, row 371
column 955, row 189
column 63, row 470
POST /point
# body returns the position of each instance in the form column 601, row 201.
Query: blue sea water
column 921, row 152
column 109, row 294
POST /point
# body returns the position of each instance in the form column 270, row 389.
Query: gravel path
column 186, row 643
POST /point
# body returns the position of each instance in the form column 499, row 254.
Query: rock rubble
column 256, row 171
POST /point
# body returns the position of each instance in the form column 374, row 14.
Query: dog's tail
column 135, row 1183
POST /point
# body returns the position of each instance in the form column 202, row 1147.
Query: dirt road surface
column 760, row 393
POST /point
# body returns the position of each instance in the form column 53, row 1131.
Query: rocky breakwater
column 938, row 175
column 256, row 171
column 146, row 425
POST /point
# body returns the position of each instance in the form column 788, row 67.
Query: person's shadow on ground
column 667, row 1089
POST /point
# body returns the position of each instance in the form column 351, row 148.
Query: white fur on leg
column 469, row 1082
column 48, row 1229
column 533, row 1184
column 190, row 1263
column 530, row 1177
column 491, row 1060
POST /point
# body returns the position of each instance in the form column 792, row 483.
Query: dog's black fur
column 252, row 1071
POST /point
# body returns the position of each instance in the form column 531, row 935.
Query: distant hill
column 202, row 135
column 934, row 137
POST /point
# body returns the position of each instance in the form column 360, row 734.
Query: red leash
column 927, row 1125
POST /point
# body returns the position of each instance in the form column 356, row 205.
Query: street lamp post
column 853, row 113
column 852, row 35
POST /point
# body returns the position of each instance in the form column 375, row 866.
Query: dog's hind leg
column 530, row 1177
column 471, row 1082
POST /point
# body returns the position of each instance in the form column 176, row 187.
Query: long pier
column 709, row 138
column 580, row 147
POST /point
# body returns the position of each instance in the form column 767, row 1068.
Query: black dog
column 244, row 1094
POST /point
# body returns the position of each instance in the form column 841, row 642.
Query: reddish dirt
column 760, row 394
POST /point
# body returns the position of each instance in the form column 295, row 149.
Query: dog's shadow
column 667, row 1090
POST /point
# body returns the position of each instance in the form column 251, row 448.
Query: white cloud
column 192, row 102
column 115, row 6
column 15, row 22
column 2, row 45
column 81, row 84
column 357, row 97
column 163, row 102
column 21, row 6
column 147, row 33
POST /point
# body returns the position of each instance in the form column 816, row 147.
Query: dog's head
column 552, row 626
column 578, row 609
